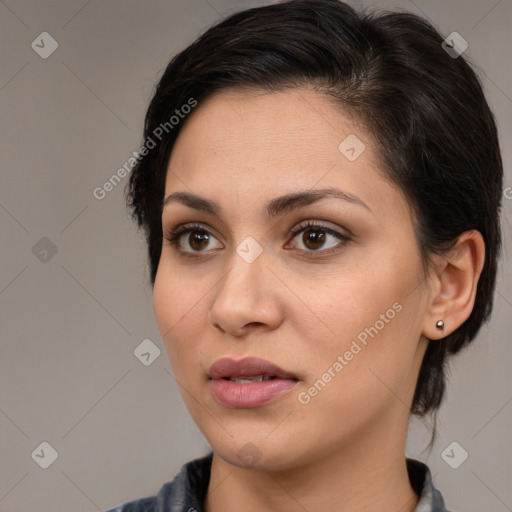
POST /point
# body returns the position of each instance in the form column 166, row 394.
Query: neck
column 359, row 476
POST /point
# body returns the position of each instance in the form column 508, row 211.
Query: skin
column 299, row 308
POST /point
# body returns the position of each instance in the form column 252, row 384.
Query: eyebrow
column 273, row 208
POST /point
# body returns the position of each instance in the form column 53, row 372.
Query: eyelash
column 173, row 236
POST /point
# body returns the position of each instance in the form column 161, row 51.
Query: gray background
column 69, row 325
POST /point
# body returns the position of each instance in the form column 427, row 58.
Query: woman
column 322, row 236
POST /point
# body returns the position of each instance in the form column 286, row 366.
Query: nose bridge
column 243, row 296
column 246, row 267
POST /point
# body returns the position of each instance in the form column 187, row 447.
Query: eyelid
column 342, row 238
column 174, row 234
column 317, row 223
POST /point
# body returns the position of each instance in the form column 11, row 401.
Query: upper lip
column 246, row 367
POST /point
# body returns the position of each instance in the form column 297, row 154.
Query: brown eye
column 190, row 239
column 198, row 240
column 313, row 238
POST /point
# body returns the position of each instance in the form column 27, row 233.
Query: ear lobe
column 455, row 284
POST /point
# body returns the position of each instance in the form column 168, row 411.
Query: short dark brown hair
column 435, row 133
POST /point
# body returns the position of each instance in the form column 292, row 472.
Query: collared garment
column 187, row 491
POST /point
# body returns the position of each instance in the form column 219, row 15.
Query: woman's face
column 338, row 307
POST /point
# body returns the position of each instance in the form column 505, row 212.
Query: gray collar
column 187, row 491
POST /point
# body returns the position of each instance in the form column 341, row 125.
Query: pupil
column 198, row 236
column 314, row 237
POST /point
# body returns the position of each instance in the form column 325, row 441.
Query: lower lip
column 250, row 395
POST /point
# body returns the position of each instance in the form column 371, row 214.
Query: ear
column 453, row 283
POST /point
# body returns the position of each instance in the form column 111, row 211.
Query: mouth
column 248, row 380
column 248, row 383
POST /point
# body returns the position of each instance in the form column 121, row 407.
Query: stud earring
column 440, row 325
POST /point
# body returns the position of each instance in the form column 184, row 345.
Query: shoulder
column 141, row 505
column 185, row 492
column 171, row 494
column 430, row 498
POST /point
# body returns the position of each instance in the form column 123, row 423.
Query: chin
column 256, row 453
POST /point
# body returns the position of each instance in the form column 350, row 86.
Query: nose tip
column 243, row 298
column 239, row 331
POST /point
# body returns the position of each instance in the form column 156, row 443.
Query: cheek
column 180, row 317
column 372, row 320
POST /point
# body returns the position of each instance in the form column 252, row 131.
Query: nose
column 246, row 297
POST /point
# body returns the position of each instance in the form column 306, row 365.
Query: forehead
column 239, row 124
column 263, row 144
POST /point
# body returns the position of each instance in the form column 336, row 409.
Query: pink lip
column 248, row 395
